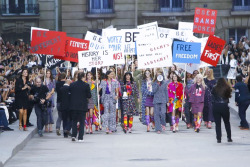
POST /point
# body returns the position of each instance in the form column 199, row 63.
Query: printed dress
column 175, row 94
column 129, row 107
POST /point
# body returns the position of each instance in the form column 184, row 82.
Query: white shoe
column 80, row 141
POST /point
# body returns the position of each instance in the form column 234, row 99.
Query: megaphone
column 160, row 78
column 125, row 96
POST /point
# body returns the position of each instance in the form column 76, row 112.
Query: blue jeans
column 3, row 119
column 242, row 113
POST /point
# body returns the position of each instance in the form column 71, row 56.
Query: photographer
column 40, row 95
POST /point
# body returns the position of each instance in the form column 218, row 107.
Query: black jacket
column 79, row 94
column 65, row 98
column 59, row 85
column 21, row 96
column 217, row 98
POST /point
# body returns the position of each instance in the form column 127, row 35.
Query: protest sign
column 98, row 58
column 95, row 41
column 130, row 37
column 212, row 51
column 36, row 28
column 186, row 26
column 72, row 46
column 186, row 52
column 51, row 61
column 48, row 42
column 205, row 21
column 113, row 41
column 157, row 53
column 164, row 32
column 151, row 30
column 181, row 35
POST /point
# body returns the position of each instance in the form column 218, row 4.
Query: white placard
column 98, row 58
column 151, row 30
column 130, row 38
column 157, row 53
column 186, row 26
column 95, row 41
column 164, row 32
column 113, row 41
column 181, row 35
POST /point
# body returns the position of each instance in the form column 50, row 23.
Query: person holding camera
column 22, row 97
column 40, row 95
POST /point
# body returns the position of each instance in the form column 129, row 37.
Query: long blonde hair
column 202, row 80
column 211, row 72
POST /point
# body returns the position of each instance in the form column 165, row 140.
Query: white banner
column 113, row 41
column 97, row 58
column 151, row 30
column 130, row 38
column 181, row 35
column 95, row 41
column 186, row 26
column 164, row 32
column 157, row 53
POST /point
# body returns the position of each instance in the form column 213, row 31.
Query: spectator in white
column 231, row 76
column 32, row 62
column 245, row 42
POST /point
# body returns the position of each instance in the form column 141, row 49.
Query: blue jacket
column 241, row 92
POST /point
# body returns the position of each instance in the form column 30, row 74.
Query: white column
column 26, row 6
column 7, row 7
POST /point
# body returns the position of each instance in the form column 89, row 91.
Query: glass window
column 236, row 34
column 101, row 6
column 171, row 5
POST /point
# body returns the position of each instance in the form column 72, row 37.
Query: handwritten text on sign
column 186, row 52
column 48, row 42
column 97, row 58
column 72, row 47
column 212, row 51
column 114, row 42
column 204, row 21
column 131, row 36
column 95, row 41
column 154, row 54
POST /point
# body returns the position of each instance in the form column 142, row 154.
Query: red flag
column 212, row 51
column 205, row 21
column 72, row 46
column 48, row 42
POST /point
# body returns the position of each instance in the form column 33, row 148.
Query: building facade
column 76, row 17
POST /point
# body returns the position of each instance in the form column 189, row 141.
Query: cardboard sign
column 180, row 35
column 151, row 30
column 157, row 53
column 72, row 47
column 205, row 21
column 130, row 38
column 95, row 41
column 36, row 28
column 213, row 50
column 48, row 42
column 163, row 33
column 186, row 26
column 186, row 52
column 113, row 41
column 98, row 58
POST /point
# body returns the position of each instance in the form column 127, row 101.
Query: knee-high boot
column 130, row 123
column 125, row 120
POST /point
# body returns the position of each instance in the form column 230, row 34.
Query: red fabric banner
column 212, row 51
column 72, row 46
column 205, row 21
column 48, row 42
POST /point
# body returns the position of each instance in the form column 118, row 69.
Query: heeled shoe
column 20, row 127
column 25, row 128
column 148, row 128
